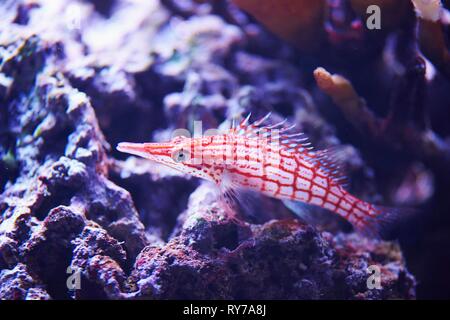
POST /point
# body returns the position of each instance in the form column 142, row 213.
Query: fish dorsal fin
column 329, row 161
column 277, row 133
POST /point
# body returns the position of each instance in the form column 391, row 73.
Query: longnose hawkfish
column 266, row 159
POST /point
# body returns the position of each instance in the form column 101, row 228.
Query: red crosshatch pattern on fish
column 268, row 159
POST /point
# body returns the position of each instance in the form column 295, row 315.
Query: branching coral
column 312, row 26
column 405, row 129
column 344, row 95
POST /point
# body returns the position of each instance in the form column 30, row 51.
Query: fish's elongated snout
column 130, row 147
column 145, row 150
column 137, row 149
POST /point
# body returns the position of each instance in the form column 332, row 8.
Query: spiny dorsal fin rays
column 233, row 124
column 289, row 142
column 247, row 128
column 257, row 123
column 246, row 121
column 286, row 129
column 242, row 127
column 329, row 161
column 298, row 134
column 276, row 125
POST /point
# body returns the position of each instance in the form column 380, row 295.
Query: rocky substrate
column 70, row 90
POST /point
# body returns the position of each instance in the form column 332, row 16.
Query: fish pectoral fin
column 239, row 198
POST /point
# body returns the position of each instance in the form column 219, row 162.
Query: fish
column 269, row 159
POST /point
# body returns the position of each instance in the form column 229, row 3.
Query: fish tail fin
column 381, row 220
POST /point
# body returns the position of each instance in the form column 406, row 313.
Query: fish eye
column 181, row 155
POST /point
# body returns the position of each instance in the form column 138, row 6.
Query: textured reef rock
column 282, row 259
column 77, row 77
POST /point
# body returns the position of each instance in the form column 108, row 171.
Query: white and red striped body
column 277, row 168
column 272, row 170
